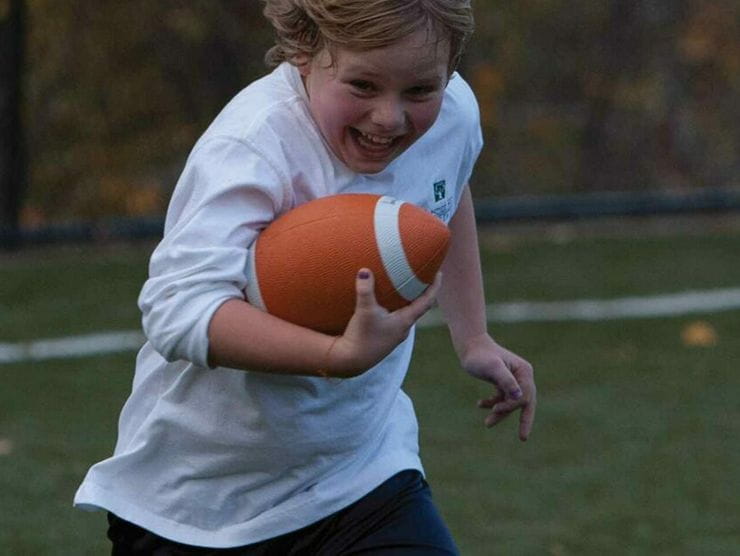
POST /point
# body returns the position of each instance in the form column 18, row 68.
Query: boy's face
column 372, row 105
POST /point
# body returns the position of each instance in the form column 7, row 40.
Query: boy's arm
column 242, row 336
column 462, row 301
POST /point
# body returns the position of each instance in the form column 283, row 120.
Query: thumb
column 365, row 288
column 506, row 382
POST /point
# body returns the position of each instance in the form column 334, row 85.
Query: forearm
column 461, row 297
column 244, row 337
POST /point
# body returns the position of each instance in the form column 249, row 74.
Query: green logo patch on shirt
column 440, row 190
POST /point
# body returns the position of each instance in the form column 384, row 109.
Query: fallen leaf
column 557, row 549
column 6, row 446
column 699, row 334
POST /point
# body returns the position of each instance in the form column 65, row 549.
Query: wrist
column 339, row 362
column 325, row 370
column 469, row 345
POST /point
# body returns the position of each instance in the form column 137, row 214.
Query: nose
column 388, row 113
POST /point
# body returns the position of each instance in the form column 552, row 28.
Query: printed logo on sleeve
column 442, row 207
column 440, row 190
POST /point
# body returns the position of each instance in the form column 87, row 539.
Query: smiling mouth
column 375, row 144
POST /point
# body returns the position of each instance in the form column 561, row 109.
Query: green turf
column 70, row 291
column 606, row 267
column 634, row 451
column 61, row 417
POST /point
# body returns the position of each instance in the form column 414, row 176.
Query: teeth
column 377, row 139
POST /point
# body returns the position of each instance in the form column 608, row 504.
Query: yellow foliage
column 144, row 199
column 708, row 34
column 32, row 217
column 544, row 127
column 488, row 83
column 187, row 24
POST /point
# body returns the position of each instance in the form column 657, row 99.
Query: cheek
column 424, row 115
column 335, row 112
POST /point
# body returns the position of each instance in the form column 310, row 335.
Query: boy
column 230, row 438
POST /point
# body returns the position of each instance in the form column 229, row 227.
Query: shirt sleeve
column 470, row 116
column 226, row 195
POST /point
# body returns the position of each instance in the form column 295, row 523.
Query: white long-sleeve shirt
column 221, row 457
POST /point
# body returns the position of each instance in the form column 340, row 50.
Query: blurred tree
column 575, row 95
column 119, row 92
column 12, row 159
column 607, row 95
column 618, row 58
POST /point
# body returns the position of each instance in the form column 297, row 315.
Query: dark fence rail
column 595, row 205
column 488, row 210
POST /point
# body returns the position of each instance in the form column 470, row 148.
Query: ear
column 303, row 63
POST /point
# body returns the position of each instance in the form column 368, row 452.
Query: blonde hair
column 303, row 28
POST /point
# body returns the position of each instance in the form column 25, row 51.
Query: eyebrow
column 426, row 74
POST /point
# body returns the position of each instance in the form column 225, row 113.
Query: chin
column 368, row 167
column 363, row 165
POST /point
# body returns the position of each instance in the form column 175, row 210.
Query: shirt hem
column 93, row 497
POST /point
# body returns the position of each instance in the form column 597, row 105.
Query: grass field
column 635, row 450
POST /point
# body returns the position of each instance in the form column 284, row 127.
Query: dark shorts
column 398, row 517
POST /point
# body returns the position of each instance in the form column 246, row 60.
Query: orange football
column 302, row 267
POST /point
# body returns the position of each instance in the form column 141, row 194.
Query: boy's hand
column 373, row 331
column 512, row 376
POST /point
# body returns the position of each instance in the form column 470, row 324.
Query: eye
column 362, row 86
column 421, row 91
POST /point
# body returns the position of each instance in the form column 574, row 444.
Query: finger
column 365, row 288
column 501, row 410
column 526, row 420
column 495, row 417
column 424, row 302
column 507, row 406
column 432, row 291
column 488, row 403
column 501, row 377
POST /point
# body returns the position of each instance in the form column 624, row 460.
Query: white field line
column 71, row 346
column 590, row 310
column 668, row 305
